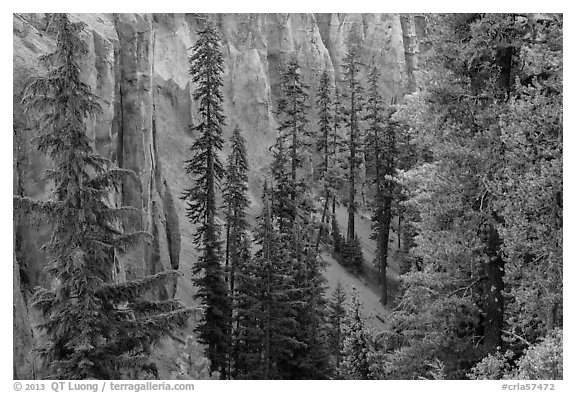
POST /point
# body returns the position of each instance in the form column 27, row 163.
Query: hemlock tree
column 338, row 241
column 337, row 146
column 235, row 204
column 489, row 197
column 283, row 209
column 96, row 328
column 336, row 314
column 323, row 145
column 357, row 343
column 293, row 123
column 352, row 255
column 206, row 67
column 247, row 329
column 266, row 311
column 353, row 95
column 328, row 143
column 310, row 355
column 292, row 212
column 290, row 204
column 380, row 158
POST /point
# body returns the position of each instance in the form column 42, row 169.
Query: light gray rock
column 137, row 65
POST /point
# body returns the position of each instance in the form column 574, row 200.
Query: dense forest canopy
column 458, row 174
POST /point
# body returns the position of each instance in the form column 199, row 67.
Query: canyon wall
column 138, row 67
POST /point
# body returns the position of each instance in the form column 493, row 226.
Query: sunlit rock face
column 137, row 65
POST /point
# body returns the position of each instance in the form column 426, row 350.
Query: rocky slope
column 138, row 66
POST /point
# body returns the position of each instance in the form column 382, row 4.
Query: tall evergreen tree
column 489, row 129
column 357, row 343
column 292, row 212
column 354, row 102
column 338, row 241
column 336, row 315
column 336, row 147
column 323, row 102
column 247, row 330
column 206, row 67
column 235, row 204
column 283, row 209
column 266, row 309
column 328, row 143
column 292, row 141
column 325, row 121
column 380, row 152
column 96, row 328
column 289, row 191
column 310, row 355
column 293, row 124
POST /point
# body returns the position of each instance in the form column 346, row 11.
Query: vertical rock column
column 410, row 49
column 135, row 125
column 137, row 151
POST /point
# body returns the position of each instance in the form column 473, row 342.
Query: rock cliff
column 138, row 67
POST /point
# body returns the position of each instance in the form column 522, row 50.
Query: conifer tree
column 353, row 95
column 235, row 204
column 357, row 343
column 323, row 102
column 352, row 256
column 380, row 157
column 293, row 138
column 206, row 67
column 290, row 204
column 291, row 210
column 338, row 240
column 488, row 129
column 310, row 355
column 327, row 144
column 337, row 146
column 283, row 209
column 336, row 314
column 325, row 120
column 266, row 310
column 247, row 329
column 96, row 328
column 293, row 124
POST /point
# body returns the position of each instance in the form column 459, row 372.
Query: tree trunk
column 267, row 338
column 398, row 233
column 384, row 229
column 324, row 218
column 334, row 205
column 227, row 261
column 351, row 233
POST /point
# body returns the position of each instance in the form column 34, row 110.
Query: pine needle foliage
column 338, row 241
column 353, row 103
column 328, row 143
column 357, row 347
column 294, row 138
column 265, row 308
column 235, row 203
column 336, row 315
column 380, row 152
column 310, row 354
column 96, row 328
column 206, row 67
column 293, row 124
